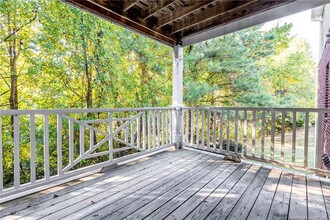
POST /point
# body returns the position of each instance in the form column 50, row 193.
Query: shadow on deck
column 180, row 184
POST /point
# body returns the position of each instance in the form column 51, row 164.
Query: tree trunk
column 13, row 56
column 13, row 99
column 88, row 74
column 145, row 79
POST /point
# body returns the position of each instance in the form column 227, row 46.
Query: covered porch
column 173, row 162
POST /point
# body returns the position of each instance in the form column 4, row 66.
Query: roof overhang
column 191, row 21
column 260, row 18
column 317, row 13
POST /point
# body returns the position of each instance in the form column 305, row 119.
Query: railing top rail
column 72, row 111
column 262, row 109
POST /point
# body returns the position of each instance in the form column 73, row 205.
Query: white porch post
column 319, row 142
column 177, row 95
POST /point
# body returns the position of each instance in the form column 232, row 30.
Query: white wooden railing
column 290, row 137
column 41, row 147
column 38, row 147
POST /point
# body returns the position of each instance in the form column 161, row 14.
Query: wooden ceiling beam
column 155, row 7
column 127, row 4
column 279, row 11
column 182, row 19
column 181, row 12
column 122, row 19
column 255, row 7
column 217, row 11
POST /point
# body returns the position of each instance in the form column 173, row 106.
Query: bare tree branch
column 4, row 92
column 4, row 79
column 3, row 105
column 18, row 29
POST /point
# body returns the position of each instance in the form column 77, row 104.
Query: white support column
column 177, row 95
column 319, row 142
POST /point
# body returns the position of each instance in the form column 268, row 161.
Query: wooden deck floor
column 180, row 184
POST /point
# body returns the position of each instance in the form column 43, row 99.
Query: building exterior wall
column 322, row 14
column 324, row 95
column 325, row 26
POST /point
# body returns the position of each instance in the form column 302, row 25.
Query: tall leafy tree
column 251, row 67
column 16, row 20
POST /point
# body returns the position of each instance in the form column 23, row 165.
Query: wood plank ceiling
column 168, row 21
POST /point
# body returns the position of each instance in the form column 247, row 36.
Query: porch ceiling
column 190, row 21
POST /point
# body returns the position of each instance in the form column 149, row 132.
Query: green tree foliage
column 251, row 67
column 55, row 56
column 67, row 58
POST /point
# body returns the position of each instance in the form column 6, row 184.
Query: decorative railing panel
column 39, row 147
column 284, row 136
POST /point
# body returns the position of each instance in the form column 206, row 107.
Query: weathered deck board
column 326, row 194
column 223, row 204
column 180, row 184
column 55, row 204
column 209, row 195
column 122, row 189
column 244, row 205
column 316, row 205
column 37, row 198
column 177, row 194
column 110, row 206
column 263, row 203
column 161, row 208
column 121, row 210
column 281, row 201
column 298, row 202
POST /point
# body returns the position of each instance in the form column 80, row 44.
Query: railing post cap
column 177, row 107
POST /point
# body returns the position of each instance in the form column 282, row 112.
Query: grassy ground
column 300, row 146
